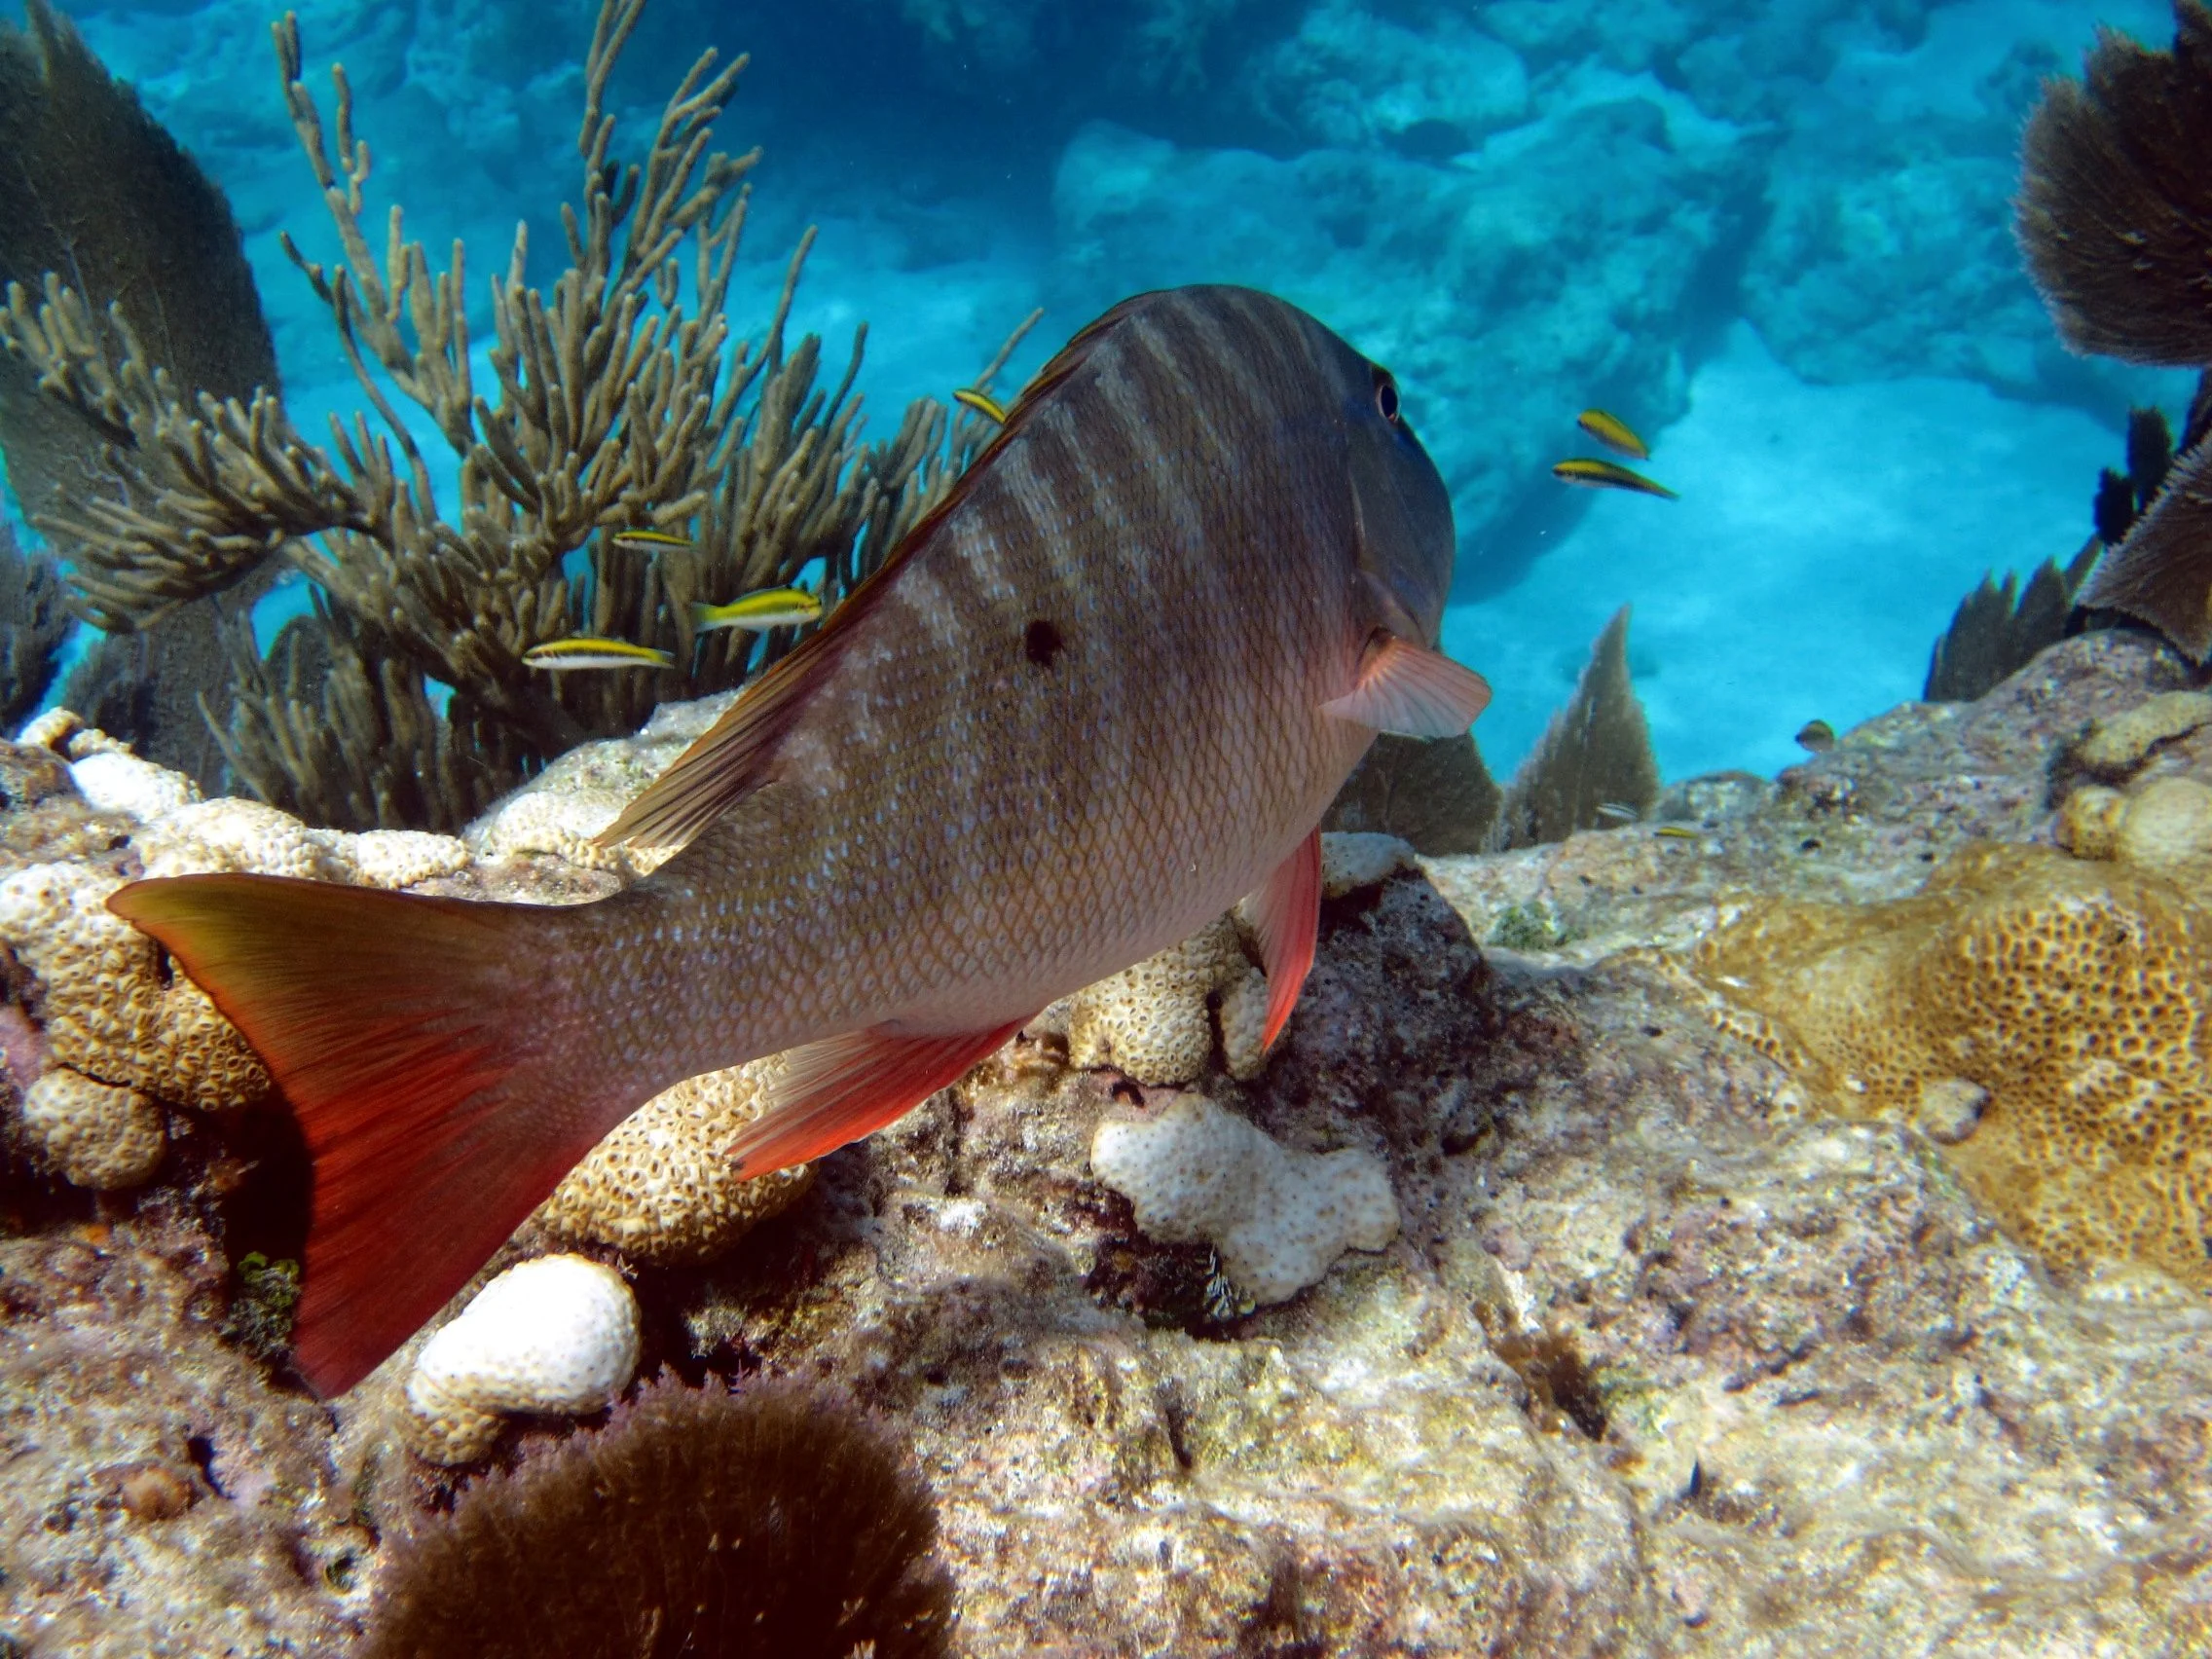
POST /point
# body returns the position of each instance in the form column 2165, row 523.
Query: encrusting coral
column 659, row 1186
column 107, row 1002
column 1156, row 1020
column 2041, row 1014
column 2113, row 748
column 555, row 1333
column 623, row 403
column 1194, row 1172
column 93, row 1134
column 773, row 1523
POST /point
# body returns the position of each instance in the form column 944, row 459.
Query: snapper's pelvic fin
column 843, row 1088
column 400, row 1029
column 1287, row 917
column 1411, row 691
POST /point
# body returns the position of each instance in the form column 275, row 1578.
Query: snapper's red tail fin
column 407, row 1034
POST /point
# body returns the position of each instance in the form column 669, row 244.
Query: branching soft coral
column 623, row 402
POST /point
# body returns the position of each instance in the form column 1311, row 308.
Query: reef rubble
column 1668, row 1357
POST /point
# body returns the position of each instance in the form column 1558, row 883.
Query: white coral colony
column 1278, row 1218
column 557, row 1334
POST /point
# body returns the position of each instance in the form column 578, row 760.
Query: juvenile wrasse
column 1593, row 474
column 769, row 608
column 1816, row 737
column 648, row 541
column 981, row 402
column 1613, row 433
column 586, row 651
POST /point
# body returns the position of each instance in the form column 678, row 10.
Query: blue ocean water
column 1775, row 236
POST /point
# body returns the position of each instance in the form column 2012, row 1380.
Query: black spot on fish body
column 1041, row 643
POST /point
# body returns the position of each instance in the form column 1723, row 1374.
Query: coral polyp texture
column 93, row 1134
column 2067, row 999
column 555, row 1333
column 107, row 1002
column 660, row 1187
column 1195, row 1173
column 1156, row 1020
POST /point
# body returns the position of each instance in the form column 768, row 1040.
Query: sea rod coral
column 623, row 402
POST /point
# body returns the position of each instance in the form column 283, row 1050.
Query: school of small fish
column 1593, row 473
column 952, row 804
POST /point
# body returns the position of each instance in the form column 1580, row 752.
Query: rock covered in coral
column 2113, row 748
column 659, row 1188
column 555, row 1333
column 93, row 1134
column 2066, row 997
column 106, row 1001
column 1156, row 1020
column 1195, row 1173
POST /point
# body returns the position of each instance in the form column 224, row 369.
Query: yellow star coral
column 2063, row 1000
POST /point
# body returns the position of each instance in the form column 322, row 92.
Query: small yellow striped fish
column 770, row 608
column 1613, row 433
column 587, row 652
column 1618, row 812
column 1604, row 475
column 981, row 402
column 647, row 540
column 1676, row 832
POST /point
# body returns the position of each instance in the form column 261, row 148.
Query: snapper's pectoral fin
column 1413, row 693
column 1287, row 917
column 843, row 1088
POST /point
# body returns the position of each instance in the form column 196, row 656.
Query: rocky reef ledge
column 1783, row 1263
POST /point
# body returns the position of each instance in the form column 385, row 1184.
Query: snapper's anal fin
column 1286, row 915
column 397, row 1028
column 837, row 1091
column 1411, row 691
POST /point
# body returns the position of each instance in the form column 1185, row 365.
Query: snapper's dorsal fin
column 736, row 754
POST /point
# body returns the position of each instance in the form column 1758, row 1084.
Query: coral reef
column 107, row 1002
column 1156, row 1020
column 2000, row 628
column 1433, row 793
column 555, row 1333
column 1668, row 1357
column 2113, row 215
column 1195, row 1172
column 2063, row 998
column 1594, row 762
column 33, row 624
column 658, row 1188
column 99, row 190
column 614, row 412
column 93, row 1134
column 767, row 1522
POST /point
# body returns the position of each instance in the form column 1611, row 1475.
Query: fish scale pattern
column 970, row 816
column 2069, row 998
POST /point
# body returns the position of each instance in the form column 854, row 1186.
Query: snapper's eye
column 1385, row 396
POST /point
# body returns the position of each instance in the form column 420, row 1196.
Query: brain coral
column 2063, row 1000
column 556, row 1333
column 660, row 1186
column 109, row 1008
column 1155, row 1020
column 93, row 1134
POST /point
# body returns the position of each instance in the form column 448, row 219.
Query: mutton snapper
column 1105, row 689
